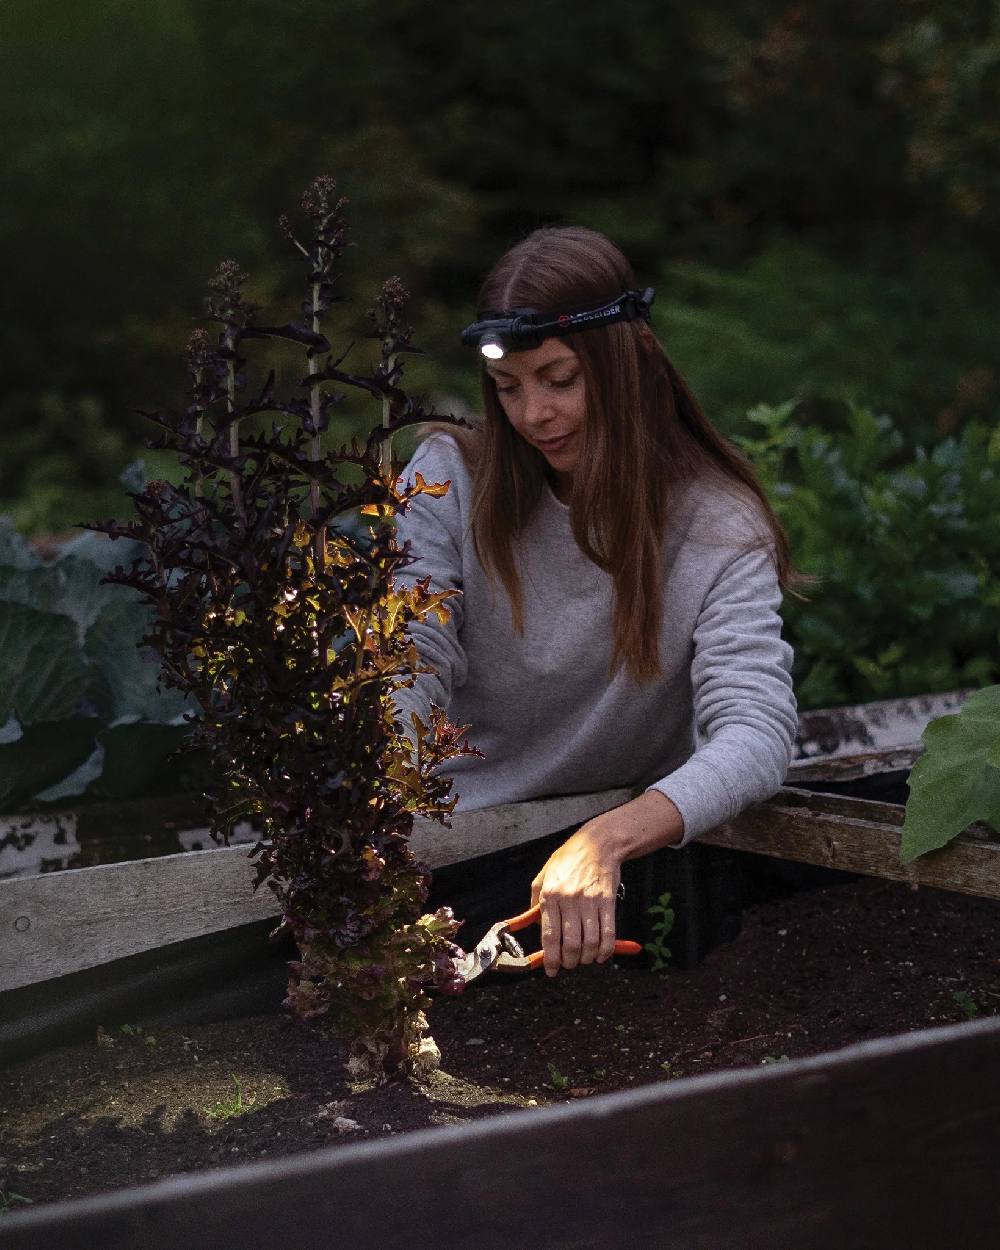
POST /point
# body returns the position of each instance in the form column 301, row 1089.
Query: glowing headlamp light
column 491, row 346
column 522, row 329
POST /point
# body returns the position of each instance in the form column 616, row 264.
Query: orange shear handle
column 534, row 915
column 622, row 947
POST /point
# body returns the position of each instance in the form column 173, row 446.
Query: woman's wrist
column 646, row 823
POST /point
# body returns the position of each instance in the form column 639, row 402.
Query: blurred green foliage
column 905, row 547
column 919, row 343
column 144, row 143
column 81, row 710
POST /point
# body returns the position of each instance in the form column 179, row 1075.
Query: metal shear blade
column 498, row 947
column 500, row 950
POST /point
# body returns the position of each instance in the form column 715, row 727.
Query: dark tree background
column 812, row 187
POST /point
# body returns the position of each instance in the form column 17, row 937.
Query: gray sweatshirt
column 713, row 732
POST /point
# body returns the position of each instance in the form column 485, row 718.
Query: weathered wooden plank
column 840, row 805
column 854, row 767
column 888, row 1143
column 872, row 727
column 858, row 835
column 496, row 828
column 58, row 923
column 65, row 922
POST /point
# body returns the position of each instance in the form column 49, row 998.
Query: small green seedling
column 8, row 1200
column 556, row 1079
column 136, row 1031
column 969, row 1006
column 775, row 1059
column 663, row 922
column 226, row 1109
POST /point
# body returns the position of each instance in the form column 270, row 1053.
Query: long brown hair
column 644, row 436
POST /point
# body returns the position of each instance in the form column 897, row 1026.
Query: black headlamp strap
column 626, row 307
column 522, row 328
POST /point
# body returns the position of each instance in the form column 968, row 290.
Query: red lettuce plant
column 276, row 607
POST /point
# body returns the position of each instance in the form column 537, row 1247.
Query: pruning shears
column 500, row 951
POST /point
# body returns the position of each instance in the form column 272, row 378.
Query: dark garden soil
column 814, row 972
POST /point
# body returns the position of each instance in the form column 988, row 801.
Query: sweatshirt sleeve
column 433, row 528
column 744, row 706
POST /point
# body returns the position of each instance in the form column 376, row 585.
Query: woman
column 621, row 573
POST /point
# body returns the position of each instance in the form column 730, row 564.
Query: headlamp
column 522, row 329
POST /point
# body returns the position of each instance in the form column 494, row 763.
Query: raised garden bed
column 706, row 1106
column 808, row 974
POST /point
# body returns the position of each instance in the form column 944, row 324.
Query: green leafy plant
column 662, row 923
column 558, row 1082
column 8, row 1200
column 968, row 1005
column 234, row 1105
column 957, row 780
column 905, row 546
column 137, row 1031
column 272, row 570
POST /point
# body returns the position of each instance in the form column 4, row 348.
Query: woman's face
column 544, row 397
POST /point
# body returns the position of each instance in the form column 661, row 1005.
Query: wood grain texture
column 63, row 922
column 858, row 835
column 885, row 1144
column 57, row 923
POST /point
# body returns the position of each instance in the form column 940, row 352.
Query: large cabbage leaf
column 957, row 780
